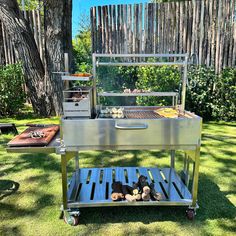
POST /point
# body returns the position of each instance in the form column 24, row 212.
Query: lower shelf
column 91, row 187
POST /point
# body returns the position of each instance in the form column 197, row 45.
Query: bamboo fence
column 204, row 28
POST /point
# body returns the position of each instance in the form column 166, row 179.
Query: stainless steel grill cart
column 136, row 129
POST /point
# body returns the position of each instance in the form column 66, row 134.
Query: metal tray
column 92, row 186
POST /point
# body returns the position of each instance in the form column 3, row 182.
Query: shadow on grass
column 7, row 230
column 213, row 205
column 34, row 161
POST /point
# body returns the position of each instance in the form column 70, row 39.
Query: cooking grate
column 141, row 115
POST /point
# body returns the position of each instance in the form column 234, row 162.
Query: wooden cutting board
column 24, row 139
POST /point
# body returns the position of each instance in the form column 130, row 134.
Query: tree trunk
column 27, row 52
column 57, row 28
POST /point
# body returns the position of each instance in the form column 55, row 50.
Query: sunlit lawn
column 34, row 208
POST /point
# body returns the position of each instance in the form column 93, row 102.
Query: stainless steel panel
column 104, row 132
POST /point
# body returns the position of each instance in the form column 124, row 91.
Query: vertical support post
column 187, row 173
column 172, row 159
column 94, row 84
column 195, row 177
column 77, row 169
column 185, row 161
column 184, row 83
column 64, row 180
column 66, row 65
column 66, row 61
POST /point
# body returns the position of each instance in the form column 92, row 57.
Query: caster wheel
column 190, row 214
column 71, row 220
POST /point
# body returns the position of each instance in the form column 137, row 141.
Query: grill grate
column 142, row 115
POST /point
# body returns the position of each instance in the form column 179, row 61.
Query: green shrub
column 225, row 96
column 12, row 96
column 157, row 79
column 200, row 92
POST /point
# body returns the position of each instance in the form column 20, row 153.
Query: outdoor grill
column 89, row 125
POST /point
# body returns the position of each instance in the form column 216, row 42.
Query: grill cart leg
column 172, row 159
column 195, row 177
column 185, row 172
column 77, row 169
column 71, row 217
column 191, row 211
column 64, row 180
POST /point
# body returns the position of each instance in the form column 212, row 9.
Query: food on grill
column 136, row 91
column 36, row 134
column 119, row 116
column 82, row 75
column 114, row 112
column 167, row 112
column 76, row 97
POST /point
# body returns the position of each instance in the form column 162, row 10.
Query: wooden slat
column 129, row 29
column 145, row 27
column 156, row 28
column 225, row 43
column 218, row 35
column 177, row 28
column 185, row 25
column 231, row 43
column 114, row 30
column 107, row 34
column 198, row 12
column 201, row 33
column 140, row 29
column 118, row 29
column 209, row 33
column 137, row 38
column 100, row 29
column 93, row 28
column 125, row 29
column 181, row 28
column 189, row 26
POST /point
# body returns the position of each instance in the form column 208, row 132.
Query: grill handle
column 131, row 127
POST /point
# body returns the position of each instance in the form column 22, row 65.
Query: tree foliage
column 82, row 51
column 82, row 46
column 12, row 96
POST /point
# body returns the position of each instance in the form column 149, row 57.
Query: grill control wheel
column 190, row 213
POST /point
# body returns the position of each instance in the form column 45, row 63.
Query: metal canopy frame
column 182, row 62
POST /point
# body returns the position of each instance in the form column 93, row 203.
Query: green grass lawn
column 34, row 208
